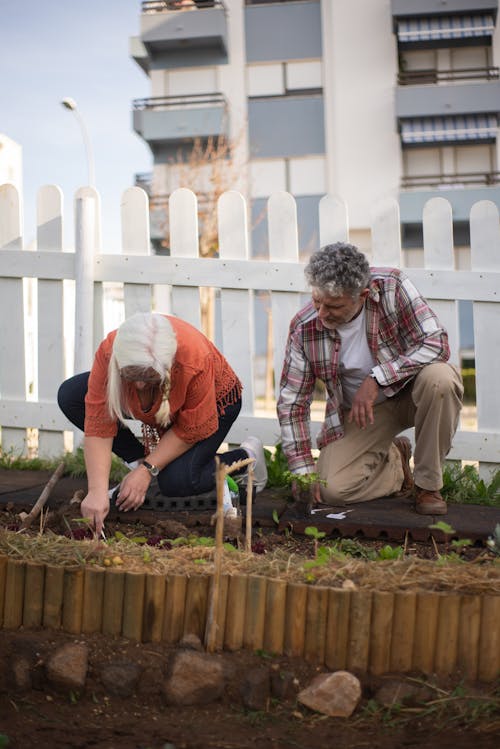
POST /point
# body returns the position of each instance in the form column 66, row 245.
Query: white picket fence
column 176, row 280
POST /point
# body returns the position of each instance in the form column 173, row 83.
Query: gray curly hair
column 338, row 269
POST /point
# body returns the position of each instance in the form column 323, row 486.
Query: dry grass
column 472, row 578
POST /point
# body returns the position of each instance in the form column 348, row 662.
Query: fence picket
column 333, row 220
column 135, row 241
column 12, row 342
column 386, row 235
column 438, row 255
column 237, row 312
column 485, row 257
column 183, row 220
column 50, row 318
column 283, row 246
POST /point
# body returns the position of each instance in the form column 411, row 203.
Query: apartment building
column 360, row 98
column 365, row 99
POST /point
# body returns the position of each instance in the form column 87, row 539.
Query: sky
column 52, row 49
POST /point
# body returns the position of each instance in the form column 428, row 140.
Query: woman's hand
column 95, row 507
column 133, row 489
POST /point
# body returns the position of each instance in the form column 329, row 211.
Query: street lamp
column 69, row 103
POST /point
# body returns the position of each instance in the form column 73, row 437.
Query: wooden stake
column 33, row 594
column 248, row 526
column 133, row 605
column 445, row 656
column 403, row 630
column 39, row 504
column 112, row 615
column 213, row 606
column 489, row 641
column 73, row 600
column 14, row 594
column 195, row 615
column 235, row 612
column 154, row 603
column 53, row 599
column 469, row 626
column 93, row 600
column 175, row 604
column 426, row 622
column 337, row 633
column 3, row 576
column 359, row 635
column 255, row 619
column 381, row 631
column 274, row 635
column 316, row 613
column 295, row 619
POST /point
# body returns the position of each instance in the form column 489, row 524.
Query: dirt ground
column 44, row 717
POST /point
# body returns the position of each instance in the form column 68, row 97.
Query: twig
column 211, row 628
column 42, row 499
column 248, row 527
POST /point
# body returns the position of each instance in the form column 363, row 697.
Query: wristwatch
column 153, row 470
column 374, row 377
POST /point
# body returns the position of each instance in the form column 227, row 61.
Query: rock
column 120, row 678
column 191, row 642
column 194, row 679
column 401, row 692
column 256, row 689
column 150, row 681
column 284, row 685
column 336, row 694
column 67, row 667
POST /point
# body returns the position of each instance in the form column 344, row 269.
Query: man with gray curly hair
column 382, row 355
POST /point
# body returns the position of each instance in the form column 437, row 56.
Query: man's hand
column 314, row 492
column 362, row 405
column 95, row 507
column 133, row 489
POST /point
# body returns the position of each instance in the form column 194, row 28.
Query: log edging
column 361, row 630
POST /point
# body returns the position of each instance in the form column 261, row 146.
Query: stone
column 67, row 667
column 120, row 678
column 256, row 689
column 194, row 679
column 334, row 694
column 21, row 673
column 284, row 685
column 401, row 692
column 191, row 642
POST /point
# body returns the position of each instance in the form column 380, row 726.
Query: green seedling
column 315, row 534
column 390, row 552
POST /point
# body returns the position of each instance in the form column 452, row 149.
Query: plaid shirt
column 403, row 335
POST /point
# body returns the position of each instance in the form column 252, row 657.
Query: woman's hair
column 338, row 269
column 145, row 341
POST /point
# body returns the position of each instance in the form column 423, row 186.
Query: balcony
column 173, row 120
column 451, row 181
column 183, row 34
column 432, row 76
column 461, row 198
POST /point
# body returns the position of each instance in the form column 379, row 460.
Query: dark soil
column 42, row 717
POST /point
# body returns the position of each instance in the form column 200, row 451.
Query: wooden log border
column 364, row 631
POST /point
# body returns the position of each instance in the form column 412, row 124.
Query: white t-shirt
column 356, row 360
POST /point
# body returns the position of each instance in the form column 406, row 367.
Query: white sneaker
column 255, row 449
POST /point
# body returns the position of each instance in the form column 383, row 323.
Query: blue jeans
column 190, row 474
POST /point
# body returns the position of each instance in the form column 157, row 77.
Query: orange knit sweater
column 202, row 386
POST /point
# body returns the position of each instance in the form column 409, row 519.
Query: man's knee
column 441, row 378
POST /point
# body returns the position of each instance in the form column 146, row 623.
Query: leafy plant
column 277, row 466
column 463, row 485
column 390, row 552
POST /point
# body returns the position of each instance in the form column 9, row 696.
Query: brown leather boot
column 404, row 446
column 429, row 502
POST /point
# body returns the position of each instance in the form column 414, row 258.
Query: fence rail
column 172, row 284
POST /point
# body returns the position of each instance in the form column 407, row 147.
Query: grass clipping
column 467, row 578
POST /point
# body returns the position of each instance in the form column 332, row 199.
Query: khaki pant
column 365, row 464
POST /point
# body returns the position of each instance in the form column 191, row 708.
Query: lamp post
column 69, row 103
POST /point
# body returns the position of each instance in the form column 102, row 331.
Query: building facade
column 364, row 99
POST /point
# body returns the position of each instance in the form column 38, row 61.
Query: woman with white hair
column 163, row 372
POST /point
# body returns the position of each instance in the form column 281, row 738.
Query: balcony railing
column 161, row 6
column 452, row 181
column 419, row 77
column 176, row 102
